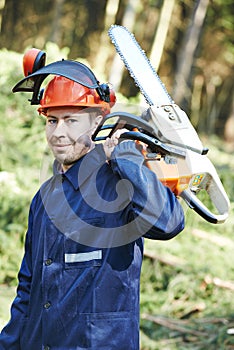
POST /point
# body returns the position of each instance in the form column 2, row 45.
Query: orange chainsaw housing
column 169, row 176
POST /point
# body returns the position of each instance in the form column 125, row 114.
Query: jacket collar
column 87, row 164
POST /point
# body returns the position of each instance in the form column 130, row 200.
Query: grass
column 7, row 294
column 187, row 284
column 187, row 289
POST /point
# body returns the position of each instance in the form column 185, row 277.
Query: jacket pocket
column 82, row 259
column 77, row 255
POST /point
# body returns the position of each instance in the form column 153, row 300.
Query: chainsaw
column 175, row 152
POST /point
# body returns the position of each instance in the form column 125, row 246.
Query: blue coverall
column 79, row 279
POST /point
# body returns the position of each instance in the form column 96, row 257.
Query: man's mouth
column 61, row 146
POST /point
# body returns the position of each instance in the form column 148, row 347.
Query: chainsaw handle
column 154, row 144
column 194, row 203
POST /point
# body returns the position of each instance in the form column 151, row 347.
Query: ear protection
column 35, row 72
column 33, row 60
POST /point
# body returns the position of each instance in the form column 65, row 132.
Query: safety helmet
column 61, row 92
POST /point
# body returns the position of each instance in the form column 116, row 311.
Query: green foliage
column 13, row 218
column 183, row 284
column 22, row 152
column 181, row 288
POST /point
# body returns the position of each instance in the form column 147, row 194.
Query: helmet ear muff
column 39, row 61
column 104, row 92
column 33, row 60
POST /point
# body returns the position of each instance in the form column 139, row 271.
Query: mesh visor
column 72, row 70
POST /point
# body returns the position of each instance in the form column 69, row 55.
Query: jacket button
column 48, row 262
column 47, row 305
column 46, row 347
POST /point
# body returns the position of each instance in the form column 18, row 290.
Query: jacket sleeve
column 160, row 215
column 10, row 335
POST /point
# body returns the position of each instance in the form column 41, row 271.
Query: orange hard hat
column 61, row 92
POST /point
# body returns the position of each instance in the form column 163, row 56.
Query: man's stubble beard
column 87, row 144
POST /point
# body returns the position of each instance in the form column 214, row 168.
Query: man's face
column 68, row 133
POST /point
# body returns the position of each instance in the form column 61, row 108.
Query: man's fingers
column 113, row 141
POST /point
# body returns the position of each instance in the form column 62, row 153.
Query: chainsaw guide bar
column 139, row 66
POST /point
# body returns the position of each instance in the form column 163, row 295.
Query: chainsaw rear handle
column 194, row 203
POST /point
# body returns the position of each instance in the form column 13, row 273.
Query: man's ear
column 96, row 122
column 98, row 119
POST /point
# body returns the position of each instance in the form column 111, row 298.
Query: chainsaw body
column 184, row 168
column 181, row 161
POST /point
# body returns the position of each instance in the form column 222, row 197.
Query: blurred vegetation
column 22, row 143
column 193, row 41
column 187, row 283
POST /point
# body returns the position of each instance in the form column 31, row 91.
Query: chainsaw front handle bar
column 194, row 203
column 199, row 166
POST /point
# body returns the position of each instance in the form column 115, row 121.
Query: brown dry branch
column 219, row 283
column 197, row 308
column 167, row 260
column 218, row 240
column 173, row 325
column 213, row 320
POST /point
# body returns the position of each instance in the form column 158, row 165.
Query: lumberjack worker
column 79, row 279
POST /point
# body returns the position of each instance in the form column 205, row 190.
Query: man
column 79, row 278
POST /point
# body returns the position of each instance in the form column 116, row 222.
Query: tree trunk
column 105, row 48
column 55, row 34
column 117, row 68
column 161, row 33
column 160, row 37
column 183, row 76
column 11, row 15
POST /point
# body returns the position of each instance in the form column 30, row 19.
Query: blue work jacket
column 79, row 279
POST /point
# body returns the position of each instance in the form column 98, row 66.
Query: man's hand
column 112, row 141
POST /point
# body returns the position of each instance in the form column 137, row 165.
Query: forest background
column 187, row 284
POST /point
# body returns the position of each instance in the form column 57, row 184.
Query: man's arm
column 10, row 335
column 161, row 215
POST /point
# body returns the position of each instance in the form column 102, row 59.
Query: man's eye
column 51, row 121
column 70, row 120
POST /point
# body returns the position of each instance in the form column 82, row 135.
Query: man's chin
column 68, row 162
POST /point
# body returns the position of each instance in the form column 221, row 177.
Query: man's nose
column 60, row 129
